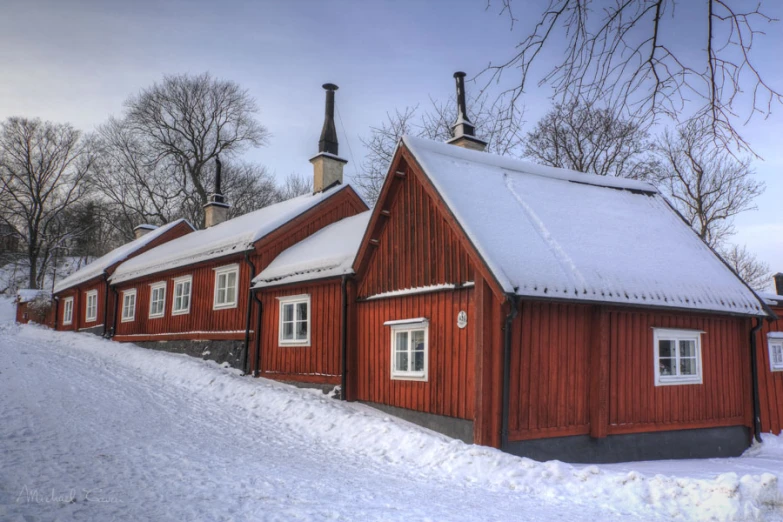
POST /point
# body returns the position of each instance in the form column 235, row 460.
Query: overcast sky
column 77, row 61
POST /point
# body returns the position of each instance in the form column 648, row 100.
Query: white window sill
column 181, row 312
column 224, row 306
column 127, row 320
column 409, row 377
column 157, row 316
column 67, row 324
column 286, row 344
column 678, row 382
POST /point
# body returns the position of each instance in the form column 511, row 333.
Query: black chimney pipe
column 462, row 116
column 778, row 283
column 218, row 196
column 328, row 141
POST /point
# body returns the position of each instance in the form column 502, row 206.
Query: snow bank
column 358, row 429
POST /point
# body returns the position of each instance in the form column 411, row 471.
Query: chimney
column 778, row 283
column 143, row 230
column 327, row 165
column 463, row 128
column 216, row 211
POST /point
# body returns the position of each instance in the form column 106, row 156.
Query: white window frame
column 410, row 325
column 677, row 335
column 153, row 288
column 87, row 296
column 225, row 271
column 128, row 318
column 178, row 281
column 775, row 343
column 294, row 300
column 67, row 311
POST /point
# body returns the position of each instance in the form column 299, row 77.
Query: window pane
column 417, row 340
column 230, row 297
column 666, row 366
column 418, row 361
column 687, row 349
column 665, row 348
column 178, row 290
column 288, row 312
column 401, row 361
column 221, row 296
column 288, row 331
column 301, row 330
column 688, row 366
column 232, row 279
column 185, row 302
column 301, row 311
column 777, row 354
column 402, row 342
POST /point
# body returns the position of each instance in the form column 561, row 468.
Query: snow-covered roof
column 230, row 237
column 25, row 295
column 554, row 233
column 119, row 254
column 327, row 253
column 771, row 297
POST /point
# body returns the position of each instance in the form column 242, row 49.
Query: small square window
column 294, row 328
column 677, row 356
column 157, row 300
column 226, row 278
column 91, row 309
column 67, row 310
column 775, row 344
column 129, row 305
column 409, row 346
column 180, row 304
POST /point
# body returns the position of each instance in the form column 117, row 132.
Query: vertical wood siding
column 319, row 362
column 636, row 404
column 100, row 289
column 549, row 386
column 417, row 247
column 770, row 383
column 449, row 389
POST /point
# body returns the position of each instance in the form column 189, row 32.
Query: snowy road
column 92, row 430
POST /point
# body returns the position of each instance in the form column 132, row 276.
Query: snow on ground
column 95, row 430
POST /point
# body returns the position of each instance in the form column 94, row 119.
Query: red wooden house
column 304, row 298
column 769, row 363
column 34, row 306
column 549, row 313
column 197, row 288
column 83, row 300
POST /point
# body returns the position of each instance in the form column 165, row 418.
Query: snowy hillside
column 14, row 276
column 96, row 430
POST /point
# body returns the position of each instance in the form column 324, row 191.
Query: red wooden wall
column 25, row 315
column 449, row 389
column 320, row 362
column 770, row 383
column 569, row 377
column 417, row 243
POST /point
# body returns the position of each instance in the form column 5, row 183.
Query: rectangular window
column 226, row 287
column 775, row 343
column 91, row 310
column 181, row 302
column 677, row 356
column 409, row 349
column 157, row 299
column 294, row 328
column 68, row 310
column 129, row 305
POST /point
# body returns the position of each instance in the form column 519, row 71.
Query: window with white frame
column 409, row 349
column 157, row 299
column 294, row 328
column 68, row 310
column 775, row 344
column 677, row 356
column 91, row 310
column 129, row 305
column 226, row 286
column 182, row 289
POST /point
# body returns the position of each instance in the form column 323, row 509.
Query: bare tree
column 43, row 172
column 498, row 122
column 295, row 185
column 186, row 121
column 708, row 185
column 631, row 54
column 587, row 139
column 753, row 271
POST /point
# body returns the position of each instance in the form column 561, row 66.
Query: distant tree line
column 65, row 194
